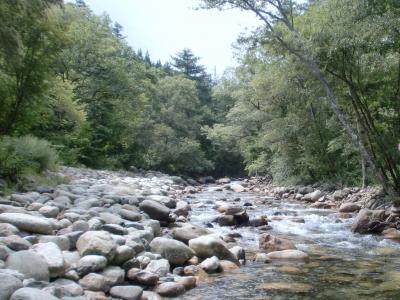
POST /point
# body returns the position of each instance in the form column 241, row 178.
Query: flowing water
column 342, row 265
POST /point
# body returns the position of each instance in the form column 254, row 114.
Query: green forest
column 315, row 96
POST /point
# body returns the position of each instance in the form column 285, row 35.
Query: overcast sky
column 165, row 27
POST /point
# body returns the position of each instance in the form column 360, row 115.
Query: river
column 342, row 265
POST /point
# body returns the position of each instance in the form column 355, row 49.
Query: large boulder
column 368, row 221
column 8, row 285
column 28, row 293
column 155, row 210
column 52, row 254
column 208, row 245
column 272, row 243
column 97, row 243
column 27, row 223
column 176, row 252
column 188, row 232
column 29, row 263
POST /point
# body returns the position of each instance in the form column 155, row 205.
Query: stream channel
column 342, row 265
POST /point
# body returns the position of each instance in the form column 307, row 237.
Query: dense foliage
column 315, row 98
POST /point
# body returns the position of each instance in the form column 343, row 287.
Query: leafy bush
column 23, row 155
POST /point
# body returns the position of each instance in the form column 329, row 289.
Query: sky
column 165, row 27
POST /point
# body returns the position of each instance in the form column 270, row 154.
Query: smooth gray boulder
column 208, row 245
column 53, row 256
column 188, row 232
column 155, row 210
column 8, row 285
column 97, row 243
column 29, row 263
column 160, row 267
column 28, row 293
column 176, row 252
column 91, row 263
column 27, row 223
column 95, row 282
column 70, row 286
column 127, row 292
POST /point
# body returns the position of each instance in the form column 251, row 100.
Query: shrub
column 27, row 154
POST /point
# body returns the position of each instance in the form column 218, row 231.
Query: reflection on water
column 342, row 265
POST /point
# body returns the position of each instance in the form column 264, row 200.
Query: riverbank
column 148, row 235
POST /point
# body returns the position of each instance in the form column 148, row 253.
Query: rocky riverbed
column 147, row 236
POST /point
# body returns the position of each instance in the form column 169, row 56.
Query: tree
column 279, row 17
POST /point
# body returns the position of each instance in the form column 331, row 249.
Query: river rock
column 262, row 258
column 367, row 221
column 209, row 245
column 126, row 292
column 182, row 208
column 188, row 232
column 272, row 243
column 313, row 197
column 288, row 255
column 130, row 215
column 142, row 277
column 113, row 275
column 155, row 210
column 226, row 220
column 8, row 229
column 70, row 286
column 91, row 263
column 237, row 188
column 160, row 267
column 27, row 222
column 49, row 211
column 170, row 289
column 122, row 254
column 349, row 207
column 97, row 243
column 15, row 242
column 176, row 252
column 28, row 293
column 94, row 282
column 8, row 285
column 211, row 265
column 52, row 254
column 36, row 268
column 391, row 233
column 305, row 190
column 238, row 252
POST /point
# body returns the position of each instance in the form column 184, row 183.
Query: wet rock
column 258, row 221
column 170, row 289
column 95, row 282
column 27, row 223
column 28, row 293
column 367, row 220
column 391, row 233
column 224, row 180
column 211, row 265
column 142, row 277
column 305, row 190
column 226, row 220
column 262, row 258
column 126, row 292
column 288, row 286
column 176, row 252
column 241, row 218
column 97, row 243
column 188, row 232
column 227, row 266
column 349, row 207
column 238, row 252
column 341, row 194
column 80, row 225
column 288, row 255
column 208, row 246
column 182, row 208
column 160, row 267
column 8, row 285
column 130, row 215
column 36, row 268
column 272, row 243
column 52, row 254
column 188, row 282
column 155, row 210
column 148, row 295
column 95, row 295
